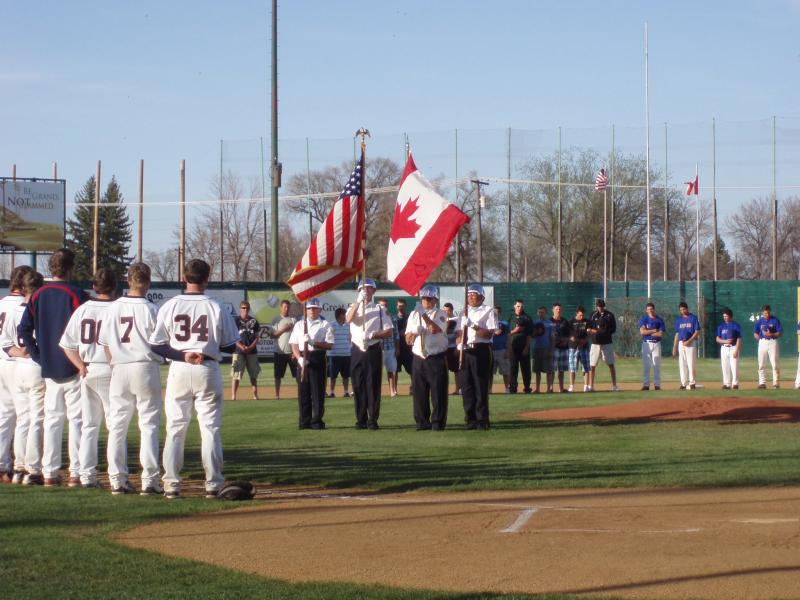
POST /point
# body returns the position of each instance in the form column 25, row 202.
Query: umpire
column 426, row 334
column 479, row 321
column 369, row 324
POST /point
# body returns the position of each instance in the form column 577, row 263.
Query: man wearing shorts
column 391, row 350
column 246, row 355
column 602, row 326
column 339, row 355
column 542, row 352
column 578, row 348
column 282, row 326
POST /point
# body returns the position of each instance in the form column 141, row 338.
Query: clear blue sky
column 164, row 81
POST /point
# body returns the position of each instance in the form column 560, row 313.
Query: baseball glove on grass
column 237, row 490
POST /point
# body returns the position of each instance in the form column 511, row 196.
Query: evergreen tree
column 114, row 231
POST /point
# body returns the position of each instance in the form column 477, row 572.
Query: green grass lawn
column 56, row 542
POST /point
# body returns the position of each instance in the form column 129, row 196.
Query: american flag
column 337, row 251
column 601, row 182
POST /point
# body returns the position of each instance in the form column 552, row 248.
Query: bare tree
column 163, row 265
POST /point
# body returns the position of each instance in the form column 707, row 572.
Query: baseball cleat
column 18, row 477
column 33, row 479
column 614, row 388
column 125, row 488
column 92, row 485
column 74, row 482
column 172, row 494
column 762, row 386
column 52, row 481
column 152, row 490
column 211, row 494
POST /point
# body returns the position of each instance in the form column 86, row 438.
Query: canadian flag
column 692, row 188
column 423, row 228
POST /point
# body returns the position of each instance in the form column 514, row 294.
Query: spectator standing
column 452, row 350
column 687, row 330
column 766, row 330
column 501, row 350
column 41, row 327
column 339, row 355
column 652, row 329
column 391, row 350
column 542, row 348
column 521, row 330
column 602, row 326
column 729, row 338
column 578, row 348
column 560, row 348
column 405, row 358
column 246, row 355
column 282, row 356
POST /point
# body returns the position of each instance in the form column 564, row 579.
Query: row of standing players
column 64, row 355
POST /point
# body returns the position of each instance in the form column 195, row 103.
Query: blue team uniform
column 686, row 326
column 762, row 326
column 652, row 323
column 731, row 332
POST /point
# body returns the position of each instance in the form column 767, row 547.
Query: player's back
column 195, row 323
column 84, row 328
column 131, row 321
column 8, row 307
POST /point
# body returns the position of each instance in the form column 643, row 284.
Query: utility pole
column 275, row 170
column 478, row 202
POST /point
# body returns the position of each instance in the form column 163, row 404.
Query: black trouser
column 429, row 377
column 311, row 390
column 366, row 369
column 476, row 376
column 523, row 363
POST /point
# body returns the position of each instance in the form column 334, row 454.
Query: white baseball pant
column 651, row 357
column 797, row 377
column 62, row 398
column 28, row 392
column 768, row 350
column 94, row 406
column 730, row 365
column 687, row 363
column 134, row 386
column 199, row 386
column 8, row 416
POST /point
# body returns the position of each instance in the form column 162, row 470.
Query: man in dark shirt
column 41, row 327
column 602, row 326
column 560, row 346
column 578, row 348
column 405, row 359
column 519, row 348
column 246, row 355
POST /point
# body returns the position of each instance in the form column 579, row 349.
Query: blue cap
column 476, row 288
column 368, row 282
column 313, row 303
column 429, row 291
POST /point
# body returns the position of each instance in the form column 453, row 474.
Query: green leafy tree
column 114, row 231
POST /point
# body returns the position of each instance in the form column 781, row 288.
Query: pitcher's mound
column 729, row 409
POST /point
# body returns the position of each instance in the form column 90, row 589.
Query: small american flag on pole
column 336, row 253
column 601, row 182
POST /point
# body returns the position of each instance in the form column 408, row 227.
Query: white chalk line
column 521, row 520
column 764, row 521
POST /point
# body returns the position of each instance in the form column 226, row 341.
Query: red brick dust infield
column 726, row 409
column 675, row 543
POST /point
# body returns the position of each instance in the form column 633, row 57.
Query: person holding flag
column 426, row 333
column 369, row 325
column 315, row 335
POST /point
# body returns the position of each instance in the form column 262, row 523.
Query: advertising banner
column 32, row 214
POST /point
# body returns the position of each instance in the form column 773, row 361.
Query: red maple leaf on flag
column 403, row 226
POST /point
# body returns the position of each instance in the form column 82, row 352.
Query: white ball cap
column 476, row 288
column 313, row 303
column 429, row 291
column 367, row 282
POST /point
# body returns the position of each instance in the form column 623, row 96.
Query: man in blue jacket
column 41, row 328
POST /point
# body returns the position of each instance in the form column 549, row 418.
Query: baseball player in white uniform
column 79, row 343
column 10, row 425
column 27, row 390
column 192, row 330
column 135, row 383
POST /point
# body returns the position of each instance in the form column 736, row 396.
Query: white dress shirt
column 318, row 330
column 377, row 320
column 427, row 343
column 484, row 317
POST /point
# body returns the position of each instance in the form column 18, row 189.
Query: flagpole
column 647, row 162
column 363, row 132
column 697, row 233
column 605, row 244
column 305, row 343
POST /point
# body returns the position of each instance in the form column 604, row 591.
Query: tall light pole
column 275, row 169
column 478, row 201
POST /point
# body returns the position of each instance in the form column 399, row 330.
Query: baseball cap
column 313, row 303
column 429, row 291
column 476, row 288
column 367, row 282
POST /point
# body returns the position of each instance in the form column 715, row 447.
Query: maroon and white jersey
column 195, row 323
column 126, row 333
column 83, row 330
column 8, row 330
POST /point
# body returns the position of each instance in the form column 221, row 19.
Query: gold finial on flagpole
column 363, row 132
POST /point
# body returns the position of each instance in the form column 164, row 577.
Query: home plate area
column 676, row 543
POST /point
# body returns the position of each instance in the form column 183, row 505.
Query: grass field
column 56, row 542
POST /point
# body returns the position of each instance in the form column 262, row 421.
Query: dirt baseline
column 731, row 543
column 727, row 409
